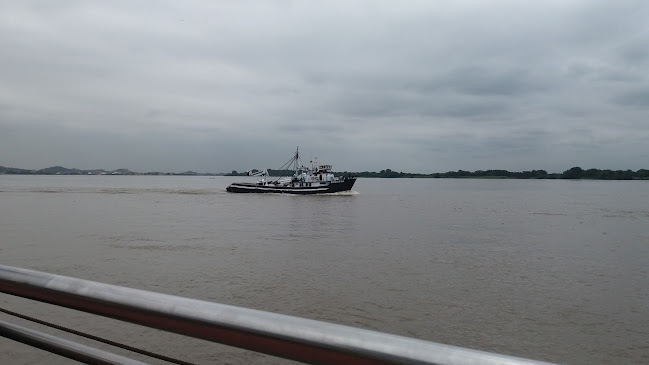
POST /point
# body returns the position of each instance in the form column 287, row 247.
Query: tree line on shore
column 573, row 173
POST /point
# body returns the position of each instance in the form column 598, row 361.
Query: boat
column 316, row 179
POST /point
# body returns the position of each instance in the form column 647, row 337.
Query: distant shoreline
column 573, row 173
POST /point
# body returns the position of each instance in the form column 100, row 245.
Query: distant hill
column 60, row 170
column 15, row 171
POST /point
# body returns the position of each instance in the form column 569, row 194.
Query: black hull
column 333, row 187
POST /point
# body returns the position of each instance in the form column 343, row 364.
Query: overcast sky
column 418, row 86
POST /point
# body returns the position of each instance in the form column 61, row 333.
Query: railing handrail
column 272, row 333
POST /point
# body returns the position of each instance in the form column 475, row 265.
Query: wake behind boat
column 317, row 179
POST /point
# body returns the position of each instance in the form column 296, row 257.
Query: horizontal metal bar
column 271, row 333
column 63, row 347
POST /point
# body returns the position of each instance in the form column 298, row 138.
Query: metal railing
column 280, row 335
column 69, row 349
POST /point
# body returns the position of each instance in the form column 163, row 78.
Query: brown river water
column 551, row 270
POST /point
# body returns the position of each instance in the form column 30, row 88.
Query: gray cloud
column 483, row 81
column 214, row 86
column 635, row 98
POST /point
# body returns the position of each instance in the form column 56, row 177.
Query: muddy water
column 550, row 270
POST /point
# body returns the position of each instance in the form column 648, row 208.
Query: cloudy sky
column 419, row 86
